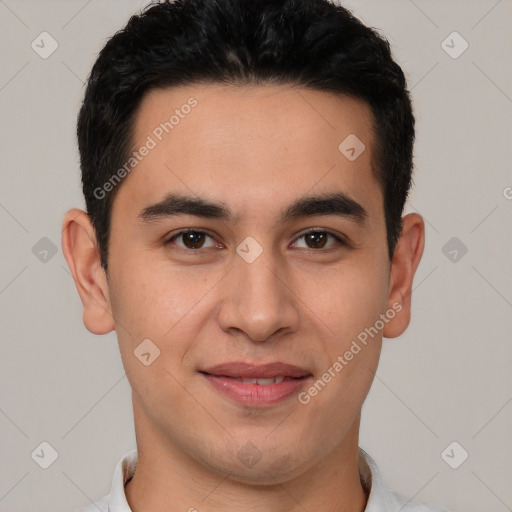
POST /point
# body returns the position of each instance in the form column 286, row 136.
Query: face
column 247, row 286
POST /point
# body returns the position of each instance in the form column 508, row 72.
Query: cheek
column 152, row 297
column 149, row 304
column 350, row 299
column 159, row 302
column 350, row 303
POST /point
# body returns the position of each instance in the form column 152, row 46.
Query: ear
column 406, row 259
column 79, row 247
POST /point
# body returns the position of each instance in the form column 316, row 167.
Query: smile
column 255, row 385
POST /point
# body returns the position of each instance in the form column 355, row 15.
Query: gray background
column 447, row 379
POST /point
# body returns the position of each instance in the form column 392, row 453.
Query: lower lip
column 255, row 395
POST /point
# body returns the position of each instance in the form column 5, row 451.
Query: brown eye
column 318, row 239
column 190, row 239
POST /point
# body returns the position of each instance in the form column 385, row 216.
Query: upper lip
column 255, row 371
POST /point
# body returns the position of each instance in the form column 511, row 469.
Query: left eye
column 318, row 239
column 194, row 239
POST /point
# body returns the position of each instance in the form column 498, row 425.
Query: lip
column 223, row 378
column 244, row 370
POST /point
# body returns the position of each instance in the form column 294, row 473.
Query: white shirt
column 380, row 499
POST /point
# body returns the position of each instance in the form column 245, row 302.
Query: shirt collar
column 124, row 471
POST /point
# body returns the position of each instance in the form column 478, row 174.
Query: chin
column 265, row 466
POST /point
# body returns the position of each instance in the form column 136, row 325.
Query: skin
column 256, row 149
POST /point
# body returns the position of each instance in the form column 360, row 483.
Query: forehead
column 268, row 144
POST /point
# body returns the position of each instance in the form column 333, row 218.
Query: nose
column 257, row 300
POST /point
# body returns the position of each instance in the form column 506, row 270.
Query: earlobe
column 406, row 259
column 79, row 248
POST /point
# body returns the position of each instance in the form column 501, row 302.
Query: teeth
column 262, row 382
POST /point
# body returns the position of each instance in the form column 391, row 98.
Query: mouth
column 257, row 385
column 259, row 381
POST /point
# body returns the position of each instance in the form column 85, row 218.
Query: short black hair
column 314, row 44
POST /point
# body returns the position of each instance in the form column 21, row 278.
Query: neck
column 168, row 479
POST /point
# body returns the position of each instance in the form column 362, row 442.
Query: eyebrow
column 338, row 204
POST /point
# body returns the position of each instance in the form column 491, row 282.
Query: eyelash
column 339, row 240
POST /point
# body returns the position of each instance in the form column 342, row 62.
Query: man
column 245, row 167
